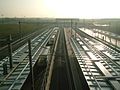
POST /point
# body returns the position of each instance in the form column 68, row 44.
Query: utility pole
column 84, row 23
column 20, row 32
column 2, row 18
column 5, row 71
column 30, row 62
column 10, row 51
column 71, row 27
column 75, row 28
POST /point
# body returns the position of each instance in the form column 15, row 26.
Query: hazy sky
column 61, row 8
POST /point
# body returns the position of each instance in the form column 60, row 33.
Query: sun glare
column 61, row 8
column 82, row 8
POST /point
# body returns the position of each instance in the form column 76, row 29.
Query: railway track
column 100, row 63
column 16, row 77
column 16, row 44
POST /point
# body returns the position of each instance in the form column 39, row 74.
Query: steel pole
column 20, row 32
column 10, row 51
column 30, row 62
column 71, row 27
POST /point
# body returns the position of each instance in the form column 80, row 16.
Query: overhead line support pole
column 30, row 62
column 10, row 51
